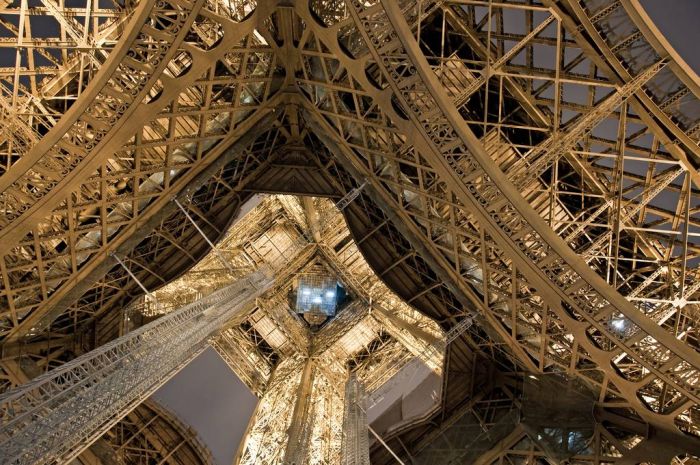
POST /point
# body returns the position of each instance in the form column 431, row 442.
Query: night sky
column 679, row 21
column 210, row 398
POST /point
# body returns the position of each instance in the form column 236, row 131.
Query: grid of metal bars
column 54, row 417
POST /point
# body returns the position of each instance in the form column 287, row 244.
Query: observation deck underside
column 530, row 166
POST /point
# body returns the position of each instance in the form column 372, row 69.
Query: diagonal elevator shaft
column 57, row 415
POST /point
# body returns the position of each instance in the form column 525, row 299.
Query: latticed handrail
column 55, row 416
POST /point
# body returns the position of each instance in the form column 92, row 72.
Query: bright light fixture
column 619, row 324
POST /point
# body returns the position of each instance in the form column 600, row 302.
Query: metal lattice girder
column 608, row 159
column 303, row 373
column 630, row 42
column 355, row 448
column 265, row 441
column 54, row 417
column 134, row 90
column 548, row 151
column 560, row 270
column 604, row 447
column 58, row 49
column 150, row 433
column 389, row 117
column 516, row 246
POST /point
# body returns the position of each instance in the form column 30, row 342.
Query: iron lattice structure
column 57, row 415
column 301, row 371
column 528, row 165
column 149, row 432
column 355, row 449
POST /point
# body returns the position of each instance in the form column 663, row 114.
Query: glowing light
column 618, row 324
column 317, row 293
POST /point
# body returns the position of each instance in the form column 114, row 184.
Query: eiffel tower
column 420, row 231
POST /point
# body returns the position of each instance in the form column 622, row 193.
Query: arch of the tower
column 530, row 165
column 149, row 434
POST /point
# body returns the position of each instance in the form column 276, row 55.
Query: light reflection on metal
column 575, row 86
column 272, row 348
column 350, row 196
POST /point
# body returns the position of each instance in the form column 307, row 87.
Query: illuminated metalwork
column 148, row 433
column 317, row 296
column 300, row 370
column 526, row 166
column 355, row 449
column 56, row 416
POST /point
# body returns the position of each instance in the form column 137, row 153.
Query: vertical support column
column 268, row 434
column 300, row 428
column 355, row 448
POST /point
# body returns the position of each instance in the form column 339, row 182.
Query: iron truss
column 528, row 164
column 164, row 438
column 301, row 375
column 56, row 416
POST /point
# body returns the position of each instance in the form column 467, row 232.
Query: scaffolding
column 56, row 416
